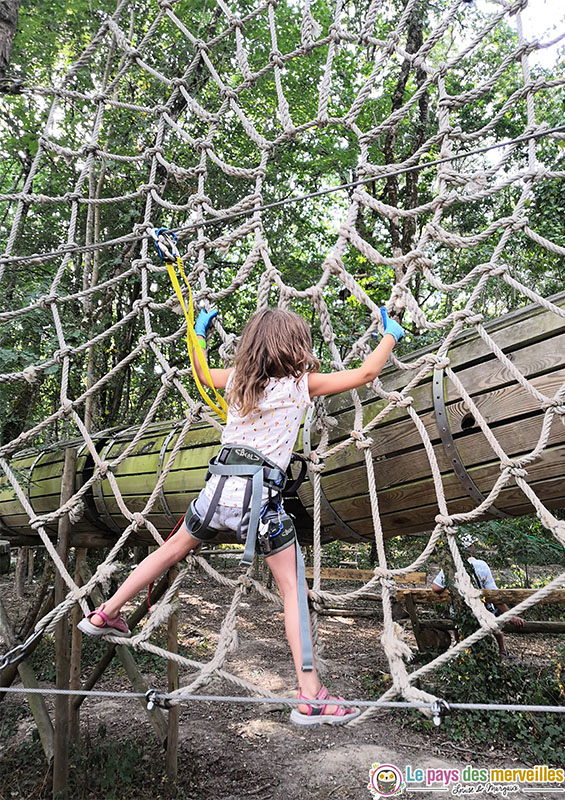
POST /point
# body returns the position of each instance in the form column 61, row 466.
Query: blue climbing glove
column 391, row 326
column 203, row 322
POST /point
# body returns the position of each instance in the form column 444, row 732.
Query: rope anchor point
column 155, row 698
column 439, row 709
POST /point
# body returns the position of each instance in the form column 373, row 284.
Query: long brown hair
column 274, row 344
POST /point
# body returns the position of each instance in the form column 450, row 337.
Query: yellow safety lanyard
column 192, row 342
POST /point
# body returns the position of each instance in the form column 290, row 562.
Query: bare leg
column 283, row 567
column 500, row 642
column 157, row 562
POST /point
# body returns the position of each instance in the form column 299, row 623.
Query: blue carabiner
column 170, row 245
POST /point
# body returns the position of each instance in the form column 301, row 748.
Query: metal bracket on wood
column 450, row 447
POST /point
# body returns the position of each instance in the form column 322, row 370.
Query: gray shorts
column 279, row 535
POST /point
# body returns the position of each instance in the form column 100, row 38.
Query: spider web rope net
column 177, row 152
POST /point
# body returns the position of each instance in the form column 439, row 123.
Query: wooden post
column 21, row 571
column 411, row 608
column 76, row 644
column 173, row 684
column 62, row 655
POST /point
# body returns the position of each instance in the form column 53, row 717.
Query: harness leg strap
column 303, row 613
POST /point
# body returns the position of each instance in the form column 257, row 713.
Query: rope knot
column 71, row 197
column 147, row 338
column 30, row 374
column 399, row 400
column 228, row 93
column 201, row 145
column 165, row 5
column 47, row 300
column 246, row 583
column 469, row 315
column 104, row 468
column 334, row 32
column 67, row 406
column 237, row 24
column 405, row 402
column 168, row 378
column 89, row 149
column 498, row 270
column 147, row 187
column 134, row 54
column 76, row 512
column 437, row 362
column 275, row 57
column 138, row 521
column 149, row 152
column 201, row 45
column 446, row 524
column 316, row 461
column 554, row 403
column 64, row 352
column 513, row 468
column 140, row 303
column 362, row 442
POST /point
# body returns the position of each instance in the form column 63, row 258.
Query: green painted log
column 534, row 340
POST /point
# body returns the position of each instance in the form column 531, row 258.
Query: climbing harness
column 264, row 526
column 166, row 244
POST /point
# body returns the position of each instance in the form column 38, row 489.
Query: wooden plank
column 550, row 627
column 395, row 523
column 513, row 332
column 508, row 404
column 509, row 596
column 419, row 493
column 363, row 575
column 474, row 449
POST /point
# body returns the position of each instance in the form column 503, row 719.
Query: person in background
column 481, row 576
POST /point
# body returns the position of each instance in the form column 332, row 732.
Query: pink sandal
column 315, row 715
column 115, row 626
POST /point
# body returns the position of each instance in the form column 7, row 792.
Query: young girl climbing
column 273, row 380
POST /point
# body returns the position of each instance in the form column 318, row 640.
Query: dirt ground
column 228, row 752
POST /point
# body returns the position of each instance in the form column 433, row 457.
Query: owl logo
column 385, row 780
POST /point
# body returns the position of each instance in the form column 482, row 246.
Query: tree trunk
column 8, row 24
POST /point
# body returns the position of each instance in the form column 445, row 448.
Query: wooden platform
column 534, row 340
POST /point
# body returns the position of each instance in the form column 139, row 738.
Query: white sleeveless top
column 272, row 429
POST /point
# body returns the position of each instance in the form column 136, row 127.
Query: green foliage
column 50, row 38
column 112, row 769
column 478, row 676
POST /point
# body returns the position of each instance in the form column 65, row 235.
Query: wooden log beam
column 534, row 626
column 509, row 596
column 362, row 575
column 532, row 338
column 76, row 650
column 28, row 679
column 62, row 650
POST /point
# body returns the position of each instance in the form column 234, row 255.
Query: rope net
column 198, row 125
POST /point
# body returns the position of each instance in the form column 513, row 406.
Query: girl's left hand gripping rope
column 166, row 244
